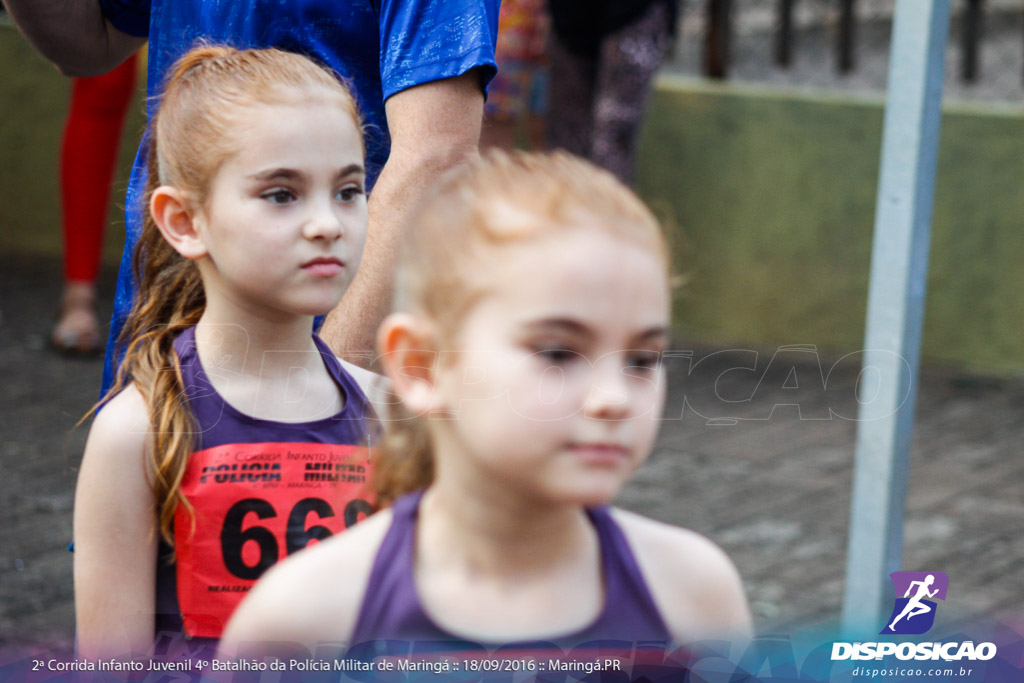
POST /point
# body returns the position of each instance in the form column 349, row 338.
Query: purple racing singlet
column 260, row 490
column 392, row 610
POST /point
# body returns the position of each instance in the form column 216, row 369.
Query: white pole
column 896, row 293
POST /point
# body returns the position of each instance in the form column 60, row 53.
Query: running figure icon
column 915, row 606
column 920, row 593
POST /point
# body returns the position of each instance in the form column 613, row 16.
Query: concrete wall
column 33, row 105
column 770, row 197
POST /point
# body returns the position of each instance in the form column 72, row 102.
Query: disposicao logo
column 913, row 613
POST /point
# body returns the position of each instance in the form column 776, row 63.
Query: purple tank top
column 392, row 609
column 239, row 451
column 220, row 423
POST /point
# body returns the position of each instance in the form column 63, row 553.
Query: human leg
column 570, row 115
column 629, row 59
column 88, row 155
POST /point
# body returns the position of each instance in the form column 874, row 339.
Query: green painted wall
column 771, row 196
column 33, row 104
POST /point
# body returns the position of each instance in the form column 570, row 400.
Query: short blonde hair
column 504, row 198
column 461, row 226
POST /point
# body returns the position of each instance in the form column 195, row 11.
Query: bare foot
column 77, row 330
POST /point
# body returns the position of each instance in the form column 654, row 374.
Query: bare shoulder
column 314, row 595
column 376, row 387
column 124, row 418
column 694, row 583
column 117, row 439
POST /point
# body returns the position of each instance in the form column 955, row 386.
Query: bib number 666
column 296, row 535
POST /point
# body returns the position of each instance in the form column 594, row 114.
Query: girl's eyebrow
column 275, row 174
column 292, row 174
column 653, row 334
column 568, row 325
column 576, row 327
column 351, row 169
column 560, row 325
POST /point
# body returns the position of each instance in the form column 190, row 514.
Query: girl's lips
column 600, row 452
column 324, row 267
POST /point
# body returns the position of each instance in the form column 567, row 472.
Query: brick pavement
column 770, row 487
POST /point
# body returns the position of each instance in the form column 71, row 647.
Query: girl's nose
column 323, row 223
column 609, row 395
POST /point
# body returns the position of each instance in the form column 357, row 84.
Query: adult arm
column 115, row 538
column 434, row 127
column 73, row 34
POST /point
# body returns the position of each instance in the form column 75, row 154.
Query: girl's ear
column 408, row 348
column 173, row 215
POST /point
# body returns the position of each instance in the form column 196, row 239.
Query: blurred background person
column 603, row 56
column 517, row 98
column 92, row 135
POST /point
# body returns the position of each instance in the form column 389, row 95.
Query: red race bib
column 253, row 505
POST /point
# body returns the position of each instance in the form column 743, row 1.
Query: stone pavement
column 759, row 461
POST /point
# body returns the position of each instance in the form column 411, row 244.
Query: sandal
column 77, row 332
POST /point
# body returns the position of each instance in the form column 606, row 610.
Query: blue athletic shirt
column 380, row 47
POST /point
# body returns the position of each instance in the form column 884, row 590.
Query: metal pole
column 970, row 33
column 844, row 40
column 784, row 37
column 899, row 268
column 716, row 39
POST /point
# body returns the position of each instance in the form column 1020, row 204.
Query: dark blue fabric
column 127, row 16
column 380, row 47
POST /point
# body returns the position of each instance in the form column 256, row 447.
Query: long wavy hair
column 192, row 135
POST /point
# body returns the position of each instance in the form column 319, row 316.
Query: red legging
column 91, row 137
